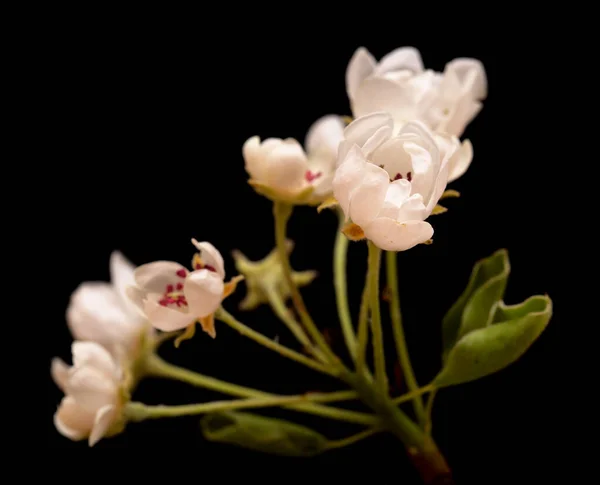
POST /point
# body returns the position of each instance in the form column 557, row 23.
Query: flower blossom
column 101, row 312
column 93, row 402
column 388, row 185
column 283, row 170
column 446, row 102
column 174, row 298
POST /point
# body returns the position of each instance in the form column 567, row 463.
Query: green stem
column 373, row 281
column 226, row 317
column 391, row 417
column 411, row 395
column 398, row 330
column 428, row 412
column 350, row 440
column 363, row 329
column 157, row 367
column 136, row 411
column 279, row 308
column 341, row 291
column 282, row 213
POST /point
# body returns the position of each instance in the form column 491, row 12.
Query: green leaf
column 260, row 433
column 475, row 307
column 487, row 350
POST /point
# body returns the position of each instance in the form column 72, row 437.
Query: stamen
column 398, row 176
column 409, row 176
column 179, row 286
column 310, row 176
column 182, row 273
column 170, row 288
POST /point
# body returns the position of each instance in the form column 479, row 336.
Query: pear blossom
column 102, row 312
column 93, row 402
column 173, row 298
column 446, row 102
column 389, row 184
column 283, row 169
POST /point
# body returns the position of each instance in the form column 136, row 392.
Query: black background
column 153, row 115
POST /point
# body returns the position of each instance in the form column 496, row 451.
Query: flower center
column 311, row 176
column 173, row 295
column 399, row 176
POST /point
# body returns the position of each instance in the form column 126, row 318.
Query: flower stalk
column 398, row 331
column 378, row 350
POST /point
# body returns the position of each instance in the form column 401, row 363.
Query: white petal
column 324, row 136
column 137, row 297
column 393, row 158
column 157, row 276
column 204, row 292
column 380, row 94
column 254, row 159
column 471, row 74
column 348, row 176
column 165, row 318
column 463, row 112
column 361, row 65
column 72, row 421
column 397, row 192
column 363, row 128
column 91, row 388
column 413, row 209
column 439, row 187
column 460, row 161
column 323, row 185
column 286, row 166
column 367, row 199
column 210, row 255
column 94, row 355
column 96, row 313
column 102, row 421
column 60, row 373
column 400, row 59
column 391, row 235
column 121, row 276
column 424, row 134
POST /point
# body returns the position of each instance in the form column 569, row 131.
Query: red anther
column 182, row 273
column 310, row 176
column 398, row 176
column 170, row 288
column 179, row 286
column 210, row 268
column 409, row 176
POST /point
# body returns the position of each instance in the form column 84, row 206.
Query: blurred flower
column 388, row 185
column 94, row 394
column 447, row 102
column 283, row 170
column 101, row 312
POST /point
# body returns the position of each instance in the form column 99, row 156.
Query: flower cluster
column 389, row 167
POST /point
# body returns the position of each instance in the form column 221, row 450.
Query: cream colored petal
column 324, row 136
column 121, row 276
column 403, row 58
column 91, row 388
column 59, row 372
column 96, row 313
column 361, row 65
column 471, row 74
column 412, row 209
column 157, row 276
column 254, row 158
column 391, row 235
column 384, row 95
column 72, row 421
column 286, row 167
column 363, row 128
column 165, row 318
column 204, row 292
column 102, row 421
column 348, row 176
column 210, row 255
column 367, row 199
column 94, row 355
column 460, row 161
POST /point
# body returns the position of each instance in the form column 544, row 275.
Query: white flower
column 286, row 170
column 388, row 185
column 446, row 102
column 102, row 312
column 173, row 298
column 92, row 406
